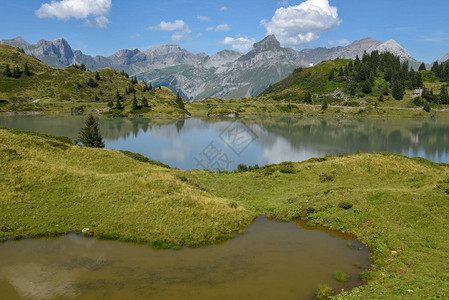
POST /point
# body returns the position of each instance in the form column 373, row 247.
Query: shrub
column 345, row 205
column 324, row 292
column 327, row 177
column 287, row 169
column 242, row 168
column 341, row 276
column 233, row 205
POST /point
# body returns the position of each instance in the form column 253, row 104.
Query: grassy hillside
column 396, row 205
column 50, row 187
column 303, row 80
column 69, row 88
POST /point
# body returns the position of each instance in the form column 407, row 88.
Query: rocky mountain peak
column 18, row 42
column 126, row 53
column 268, row 43
column 164, row 49
column 393, row 47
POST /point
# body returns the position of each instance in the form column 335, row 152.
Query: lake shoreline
column 372, row 196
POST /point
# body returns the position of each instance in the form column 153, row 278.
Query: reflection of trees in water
column 179, row 125
column 366, row 135
column 113, row 129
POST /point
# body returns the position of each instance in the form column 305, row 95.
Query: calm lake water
column 223, row 144
column 272, row 260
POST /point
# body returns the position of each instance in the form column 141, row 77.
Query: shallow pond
column 223, row 144
column 271, row 260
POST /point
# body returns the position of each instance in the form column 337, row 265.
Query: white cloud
column 182, row 35
column 240, row 43
column 98, row 22
column 283, row 3
column 169, row 26
column 221, row 27
column 203, row 18
column 79, row 9
column 223, row 8
column 303, row 23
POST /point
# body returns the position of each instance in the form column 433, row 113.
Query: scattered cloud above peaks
column 98, row 22
column 169, row 26
column 79, row 9
column 241, row 43
column 183, row 32
column 203, row 18
column 303, row 23
column 221, row 27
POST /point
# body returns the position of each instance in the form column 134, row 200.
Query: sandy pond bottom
column 272, row 260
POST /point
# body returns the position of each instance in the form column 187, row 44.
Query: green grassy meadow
column 397, row 206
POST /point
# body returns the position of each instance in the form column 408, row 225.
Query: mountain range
column 226, row 74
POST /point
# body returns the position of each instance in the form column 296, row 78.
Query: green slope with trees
column 376, row 77
column 28, row 84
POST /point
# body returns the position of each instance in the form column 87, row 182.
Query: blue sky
column 101, row 27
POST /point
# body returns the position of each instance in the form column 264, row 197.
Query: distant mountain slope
column 71, row 84
column 226, row 74
column 444, row 58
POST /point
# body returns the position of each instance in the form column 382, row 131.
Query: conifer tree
column 444, row 97
column 16, row 72
column 422, row 67
column 397, row 87
column 135, row 104
column 179, row 101
column 90, row 135
column 110, row 103
column 144, row 102
column 118, row 104
column 97, row 76
column 340, row 72
column 331, row 75
column 26, row 70
column 419, row 80
column 308, row 98
column 7, row 72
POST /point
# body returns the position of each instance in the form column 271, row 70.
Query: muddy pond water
column 271, row 260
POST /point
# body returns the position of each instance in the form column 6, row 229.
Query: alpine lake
column 271, row 260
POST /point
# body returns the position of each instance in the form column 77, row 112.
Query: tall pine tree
column 90, row 135
column 180, row 101
column 7, row 72
column 135, row 104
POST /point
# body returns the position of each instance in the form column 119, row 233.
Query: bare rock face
column 226, row 74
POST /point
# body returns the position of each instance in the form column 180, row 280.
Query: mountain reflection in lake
column 181, row 143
